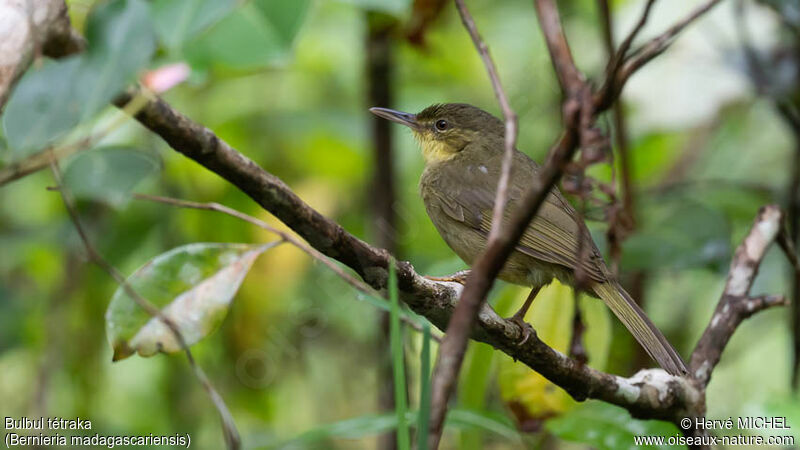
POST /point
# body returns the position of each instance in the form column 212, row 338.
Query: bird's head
column 444, row 130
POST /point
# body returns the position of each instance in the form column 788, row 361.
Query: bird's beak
column 407, row 119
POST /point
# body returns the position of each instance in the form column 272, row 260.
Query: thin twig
column 232, row 439
column 310, row 251
column 623, row 70
column 616, row 58
column 508, row 114
column 621, row 222
column 657, row 45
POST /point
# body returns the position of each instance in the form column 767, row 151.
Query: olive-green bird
column 463, row 149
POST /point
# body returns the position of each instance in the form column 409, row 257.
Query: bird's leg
column 458, row 277
column 519, row 316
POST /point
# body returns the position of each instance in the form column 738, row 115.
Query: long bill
column 403, row 118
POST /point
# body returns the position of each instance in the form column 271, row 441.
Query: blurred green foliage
column 296, row 359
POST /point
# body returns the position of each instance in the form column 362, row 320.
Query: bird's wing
column 553, row 234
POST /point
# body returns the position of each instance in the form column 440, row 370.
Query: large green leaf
column 193, row 285
column 607, row 427
column 257, row 35
column 394, row 7
column 109, row 174
column 52, row 99
column 178, row 21
column 43, row 107
column 284, row 17
column 121, row 43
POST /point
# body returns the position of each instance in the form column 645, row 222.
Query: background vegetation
column 297, row 358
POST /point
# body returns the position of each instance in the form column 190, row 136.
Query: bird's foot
column 458, row 277
column 525, row 328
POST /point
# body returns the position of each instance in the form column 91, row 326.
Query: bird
column 463, row 149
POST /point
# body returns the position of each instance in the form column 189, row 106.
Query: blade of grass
column 396, row 342
column 424, row 416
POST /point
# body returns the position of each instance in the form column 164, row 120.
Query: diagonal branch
column 736, row 303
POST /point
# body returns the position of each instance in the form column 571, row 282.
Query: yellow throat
column 434, row 150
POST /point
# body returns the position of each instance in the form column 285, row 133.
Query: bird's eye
column 441, row 125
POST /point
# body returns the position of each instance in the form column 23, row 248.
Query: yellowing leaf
column 193, row 284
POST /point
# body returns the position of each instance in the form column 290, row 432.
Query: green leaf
column 394, row 7
column 398, row 358
column 193, row 285
column 257, row 35
column 179, row 21
column 121, row 43
column 51, row 100
column 109, row 174
column 607, row 427
column 284, row 17
column 43, row 107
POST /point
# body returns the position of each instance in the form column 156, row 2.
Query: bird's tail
column 641, row 327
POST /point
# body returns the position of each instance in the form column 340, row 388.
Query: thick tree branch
column 29, row 28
